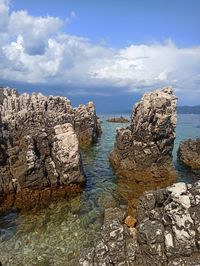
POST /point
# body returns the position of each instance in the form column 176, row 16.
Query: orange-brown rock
column 130, row 221
column 189, row 154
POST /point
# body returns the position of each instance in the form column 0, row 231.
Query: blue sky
column 121, row 22
column 100, row 49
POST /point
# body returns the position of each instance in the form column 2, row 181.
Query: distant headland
column 188, row 109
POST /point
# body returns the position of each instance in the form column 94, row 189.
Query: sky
column 107, row 51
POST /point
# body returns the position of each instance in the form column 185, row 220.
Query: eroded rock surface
column 147, row 144
column 117, row 245
column 189, row 154
column 39, row 152
column 167, row 231
column 86, row 123
column 168, row 226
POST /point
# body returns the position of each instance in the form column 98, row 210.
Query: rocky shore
column 39, row 152
column 167, row 231
column 189, row 154
column 120, row 119
column 144, row 149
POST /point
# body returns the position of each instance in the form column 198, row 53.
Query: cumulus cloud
column 36, row 50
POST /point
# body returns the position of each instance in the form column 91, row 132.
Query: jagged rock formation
column 39, row 151
column 189, row 154
column 146, row 145
column 167, row 231
column 86, row 123
column 168, row 226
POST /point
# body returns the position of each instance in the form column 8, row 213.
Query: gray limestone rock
column 39, row 145
column 147, row 144
column 116, row 246
column 168, row 228
column 167, row 231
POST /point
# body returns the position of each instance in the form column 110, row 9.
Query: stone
column 39, row 147
column 120, row 119
column 116, row 246
column 174, row 232
column 86, row 124
column 189, row 154
column 145, row 147
column 167, row 231
column 130, row 221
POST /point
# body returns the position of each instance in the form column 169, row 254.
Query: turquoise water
column 56, row 235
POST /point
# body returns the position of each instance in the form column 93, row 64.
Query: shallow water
column 56, row 235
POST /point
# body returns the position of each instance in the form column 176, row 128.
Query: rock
column 167, row 231
column 39, row 147
column 145, row 147
column 130, row 221
column 116, row 246
column 87, row 124
column 120, row 119
column 168, row 228
column 189, row 154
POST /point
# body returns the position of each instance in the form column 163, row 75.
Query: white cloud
column 35, row 31
column 35, row 50
column 71, row 16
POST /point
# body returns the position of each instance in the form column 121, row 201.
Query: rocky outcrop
column 86, row 124
column 120, row 119
column 146, row 145
column 167, row 231
column 117, row 245
column 189, row 154
column 39, row 151
column 168, row 226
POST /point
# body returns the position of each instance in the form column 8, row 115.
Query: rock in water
column 146, row 145
column 189, row 154
column 120, row 119
column 39, row 152
column 116, row 246
column 86, row 123
column 167, row 231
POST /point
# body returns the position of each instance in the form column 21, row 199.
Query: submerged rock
column 39, row 151
column 189, row 154
column 167, row 231
column 146, row 145
column 120, row 119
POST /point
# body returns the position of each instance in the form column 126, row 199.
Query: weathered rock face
column 86, row 123
column 168, row 226
column 116, row 246
column 189, row 154
column 39, row 152
column 147, row 144
column 167, row 231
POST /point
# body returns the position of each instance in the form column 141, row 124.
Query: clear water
column 56, row 235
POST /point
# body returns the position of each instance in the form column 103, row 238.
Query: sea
column 58, row 234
